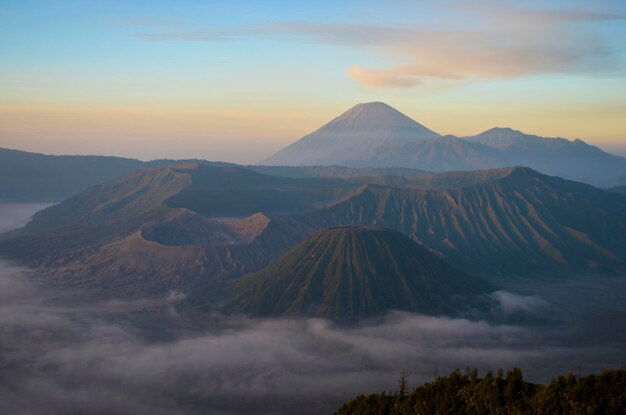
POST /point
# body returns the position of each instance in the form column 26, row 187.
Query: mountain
column 341, row 172
column 34, row 177
column 511, row 221
column 349, row 273
column 556, row 156
column 617, row 189
column 354, row 135
column 375, row 135
column 179, row 227
column 27, row 177
column 441, row 154
column 170, row 226
column 162, row 194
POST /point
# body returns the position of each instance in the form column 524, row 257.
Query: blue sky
column 239, row 80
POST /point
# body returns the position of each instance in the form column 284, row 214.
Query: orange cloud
column 502, row 42
column 382, row 79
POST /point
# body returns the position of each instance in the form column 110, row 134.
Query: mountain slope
column 143, row 199
column 355, row 134
column 341, row 172
column 438, row 154
column 36, row 177
column 349, row 273
column 178, row 226
column 514, row 221
column 557, row 156
column 374, row 135
column 28, row 177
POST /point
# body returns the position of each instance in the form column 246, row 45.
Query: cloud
column 511, row 303
column 381, row 79
column 60, row 354
column 460, row 40
column 499, row 43
column 16, row 215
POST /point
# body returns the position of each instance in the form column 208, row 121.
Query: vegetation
column 349, row 273
column 466, row 393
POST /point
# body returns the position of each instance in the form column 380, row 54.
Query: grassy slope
column 351, row 273
column 519, row 222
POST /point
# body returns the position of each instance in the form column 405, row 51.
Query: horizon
column 615, row 149
column 238, row 82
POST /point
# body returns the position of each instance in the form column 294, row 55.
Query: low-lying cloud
column 142, row 357
column 515, row 304
column 16, row 215
column 60, row 355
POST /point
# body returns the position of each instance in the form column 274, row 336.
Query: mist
column 16, row 215
column 60, row 356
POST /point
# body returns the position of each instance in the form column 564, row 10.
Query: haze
column 140, row 356
column 237, row 82
column 283, row 207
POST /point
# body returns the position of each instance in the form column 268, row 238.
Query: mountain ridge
column 350, row 273
column 359, row 130
column 494, row 148
column 174, row 228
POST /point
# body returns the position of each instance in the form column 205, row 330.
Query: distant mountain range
column 376, row 135
column 369, row 140
column 26, row 177
column 341, row 242
column 34, row 177
column 185, row 226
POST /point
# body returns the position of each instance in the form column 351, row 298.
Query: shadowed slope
column 171, row 204
column 352, row 273
column 37, row 177
column 515, row 221
column 167, row 227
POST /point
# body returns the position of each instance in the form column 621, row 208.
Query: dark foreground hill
column 349, row 273
column 467, row 393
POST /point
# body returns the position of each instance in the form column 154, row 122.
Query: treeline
column 467, row 393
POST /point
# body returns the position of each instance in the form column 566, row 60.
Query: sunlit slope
column 157, row 200
column 352, row 273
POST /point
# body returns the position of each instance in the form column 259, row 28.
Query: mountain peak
column 372, row 107
column 356, row 134
column 374, row 117
column 503, row 131
column 348, row 273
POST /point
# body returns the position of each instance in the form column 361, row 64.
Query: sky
column 239, row 80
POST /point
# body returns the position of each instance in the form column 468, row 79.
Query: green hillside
column 355, row 272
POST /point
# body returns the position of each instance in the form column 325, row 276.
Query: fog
column 58, row 356
column 16, row 215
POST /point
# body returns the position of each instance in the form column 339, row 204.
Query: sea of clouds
column 60, row 356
